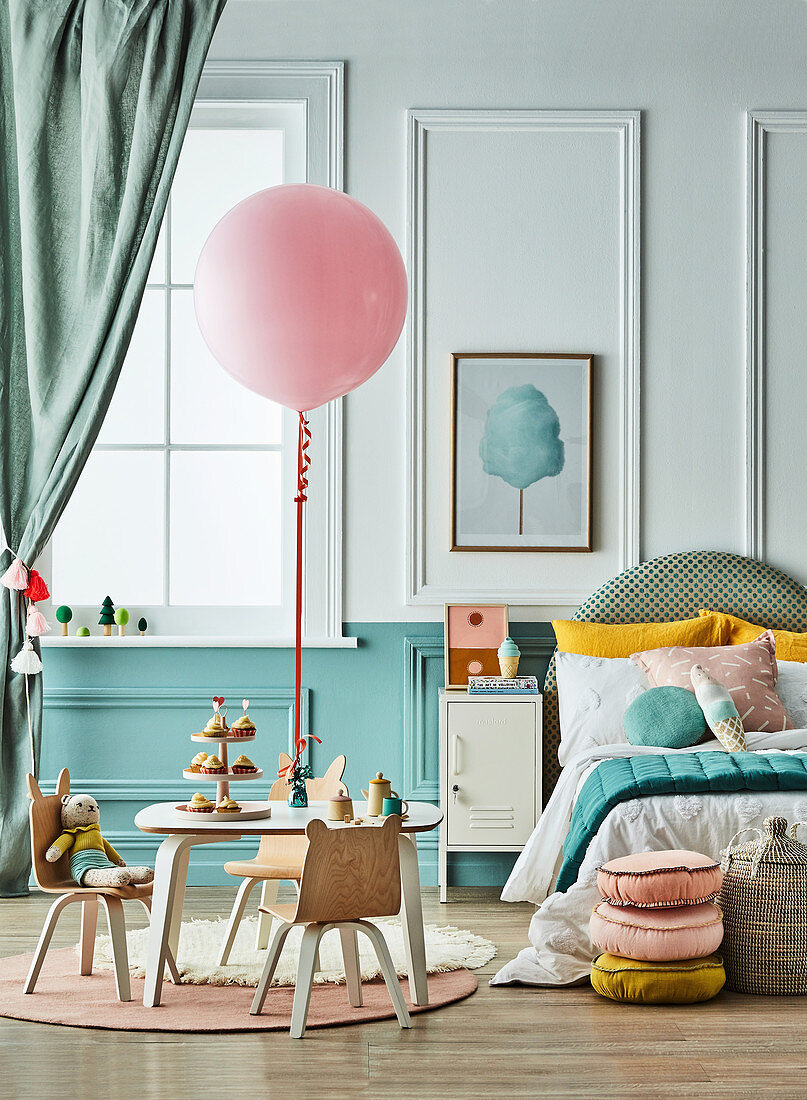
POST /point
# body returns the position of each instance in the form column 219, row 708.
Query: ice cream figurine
column 719, row 710
column 509, row 654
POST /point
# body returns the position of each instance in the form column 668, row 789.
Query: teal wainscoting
column 120, row 720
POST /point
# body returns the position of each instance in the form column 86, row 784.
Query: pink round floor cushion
column 660, row 879
column 657, row 935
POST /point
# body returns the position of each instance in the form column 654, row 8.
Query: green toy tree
column 107, row 615
column 83, row 632
column 63, row 615
column 121, row 618
column 142, row 625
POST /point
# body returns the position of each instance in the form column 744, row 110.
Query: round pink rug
column 63, row 996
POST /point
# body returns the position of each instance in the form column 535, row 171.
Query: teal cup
column 395, row 806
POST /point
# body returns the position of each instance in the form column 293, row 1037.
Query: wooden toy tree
column 63, row 615
column 107, row 615
column 122, row 618
column 142, row 625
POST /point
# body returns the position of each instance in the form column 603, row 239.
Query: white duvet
column 560, row 951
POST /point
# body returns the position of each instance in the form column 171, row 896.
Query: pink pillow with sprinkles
column 748, row 671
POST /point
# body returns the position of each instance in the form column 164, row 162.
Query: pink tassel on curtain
column 16, row 576
column 36, row 624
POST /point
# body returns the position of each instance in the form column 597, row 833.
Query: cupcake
column 243, row 727
column 200, row 805
column 242, row 765
column 217, row 724
column 196, row 764
column 216, row 727
column 227, row 806
column 212, row 766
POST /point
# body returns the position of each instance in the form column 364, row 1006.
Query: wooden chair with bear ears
column 278, row 858
column 349, row 873
column 55, row 878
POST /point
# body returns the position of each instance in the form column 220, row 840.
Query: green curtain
column 96, row 97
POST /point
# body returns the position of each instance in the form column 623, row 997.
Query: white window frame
column 319, row 88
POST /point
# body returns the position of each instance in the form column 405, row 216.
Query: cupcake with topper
column 217, row 724
column 243, row 726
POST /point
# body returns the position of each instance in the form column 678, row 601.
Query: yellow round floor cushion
column 658, row 983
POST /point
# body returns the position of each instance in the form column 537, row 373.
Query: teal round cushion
column 669, row 717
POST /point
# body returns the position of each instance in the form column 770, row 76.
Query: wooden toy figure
column 107, row 616
column 63, row 615
column 142, row 625
column 93, row 860
column 122, row 618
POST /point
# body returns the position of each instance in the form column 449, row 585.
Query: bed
column 669, row 588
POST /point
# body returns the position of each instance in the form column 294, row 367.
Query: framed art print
column 521, row 451
column 473, row 634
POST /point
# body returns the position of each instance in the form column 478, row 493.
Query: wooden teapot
column 380, row 788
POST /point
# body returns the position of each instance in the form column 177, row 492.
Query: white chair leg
column 412, row 920
column 170, row 961
column 241, row 898
column 388, row 970
column 44, row 940
column 305, row 978
column 89, row 923
column 269, row 968
column 265, row 920
column 350, row 957
column 120, row 954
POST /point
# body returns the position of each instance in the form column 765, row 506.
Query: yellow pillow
column 658, row 983
column 790, row 646
column 620, row 640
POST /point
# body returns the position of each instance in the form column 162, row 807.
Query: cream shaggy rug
column 200, row 941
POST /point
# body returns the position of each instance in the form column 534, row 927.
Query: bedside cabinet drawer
column 490, row 751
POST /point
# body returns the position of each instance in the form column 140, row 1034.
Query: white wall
column 693, row 69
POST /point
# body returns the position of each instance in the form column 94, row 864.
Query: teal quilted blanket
column 615, row 781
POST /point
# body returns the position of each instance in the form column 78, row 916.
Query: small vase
column 298, row 795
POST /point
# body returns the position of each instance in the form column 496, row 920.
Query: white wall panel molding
column 759, row 124
column 626, row 126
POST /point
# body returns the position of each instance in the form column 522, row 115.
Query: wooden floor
column 501, row 1042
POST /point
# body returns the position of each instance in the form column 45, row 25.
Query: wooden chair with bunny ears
column 350, row 872
column 55, row 878
column 278, row 858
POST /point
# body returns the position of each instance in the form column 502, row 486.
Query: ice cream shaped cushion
column 719, row 710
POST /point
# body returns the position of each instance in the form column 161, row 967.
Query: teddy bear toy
column 93, row 860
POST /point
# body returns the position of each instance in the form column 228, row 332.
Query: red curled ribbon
column 303, row 461
column 288, row 771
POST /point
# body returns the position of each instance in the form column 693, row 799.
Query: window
column 184, row 512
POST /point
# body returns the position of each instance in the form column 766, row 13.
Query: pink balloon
column 300, row 293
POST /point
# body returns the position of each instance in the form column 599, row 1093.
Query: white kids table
column 171, row 873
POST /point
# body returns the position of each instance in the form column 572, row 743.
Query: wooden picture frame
column 560, row 503
column 469, row 655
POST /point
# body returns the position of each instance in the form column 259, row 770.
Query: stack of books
column 497, row 685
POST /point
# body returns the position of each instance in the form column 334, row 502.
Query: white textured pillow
column 791, row 687
column 593, row 695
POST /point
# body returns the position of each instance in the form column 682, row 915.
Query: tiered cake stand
column 250, row 811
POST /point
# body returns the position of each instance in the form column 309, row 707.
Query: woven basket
column 764, row 903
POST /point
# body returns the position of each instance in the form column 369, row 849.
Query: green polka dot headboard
column 677, row 586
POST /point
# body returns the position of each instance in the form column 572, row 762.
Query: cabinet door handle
column 455, row 752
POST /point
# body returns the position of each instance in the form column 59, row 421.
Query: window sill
column 178, row 641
